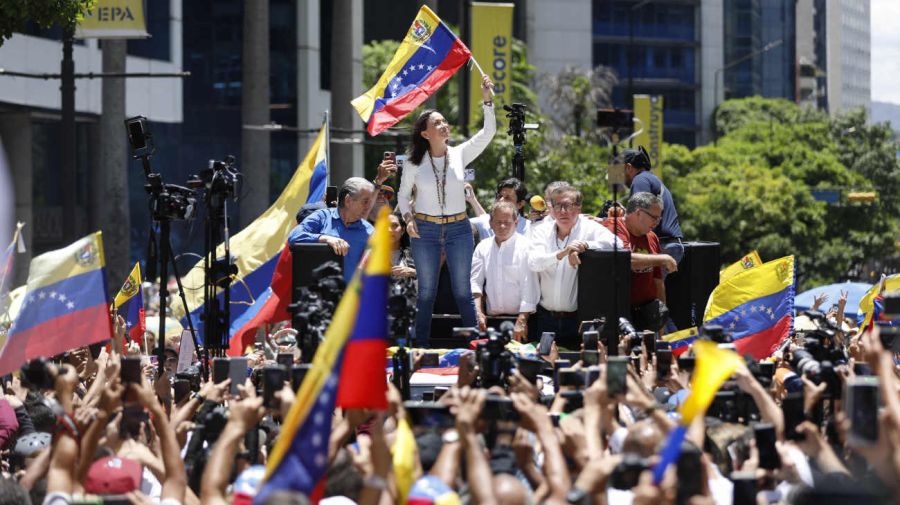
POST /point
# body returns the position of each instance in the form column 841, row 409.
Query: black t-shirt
column 668, row 227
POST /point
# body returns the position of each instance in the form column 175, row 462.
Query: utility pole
column 67, row 138
column 256, row 147
column 341, row 162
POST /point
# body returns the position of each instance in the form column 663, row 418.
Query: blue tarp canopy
column 856, row 290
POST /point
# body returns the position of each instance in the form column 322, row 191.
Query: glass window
column 158, row 47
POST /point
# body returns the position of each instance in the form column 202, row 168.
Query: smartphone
column 298, row 373
column 131, row 370
column 440, row 391
column 590, row 358
column 687, row 363
column 570, row 378
column 468, row 191
column 547, row 339
column 331, row 196
column 744, row 491
column 862, row 369
column 767, row 369
column 764, row 433
column 220, row 370
column 792, row 406
column 616, row 373
column 592, row 325
column 888, row 335
column 689, row 469
column 663, row 363
column 557, row 366
column 591, row 340
column 497, row 408
column 182, row 389
column 429, row 414
column 530, row 368
column 862, row 395
column 431, row 359
column 237, row 372
column 649, row 340
column 428, row 396
column 661, row 344
column 285, row 359
column 591, row 375
column 273, row 381
column 390, row 155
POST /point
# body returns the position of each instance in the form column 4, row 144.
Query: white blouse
column 422, row 177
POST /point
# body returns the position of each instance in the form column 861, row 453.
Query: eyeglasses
column 565, row 207
column 653, row 217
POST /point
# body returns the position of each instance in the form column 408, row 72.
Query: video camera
column 312, row 312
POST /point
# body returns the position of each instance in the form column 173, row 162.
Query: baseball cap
column 248, row 484
column 387, row 191
column 113, row 475
column 430, row 490
column 638, row 158
column 31, row 443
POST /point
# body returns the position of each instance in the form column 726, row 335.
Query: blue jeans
column 454, row 239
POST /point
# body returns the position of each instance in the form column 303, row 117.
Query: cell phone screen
column 431, row 359
column 792, row 406
column 764, row 434
column 616, row 370
column 220, row 370
column 131, row 370
column 546, row 342
column 298, row 373
column 285, row 359
column 591, row 340
column 690, row 474
column 273, row 381
column 663, row 363
column 649, row 339
column 590, row 358
column 237, row 372
column 862, row 406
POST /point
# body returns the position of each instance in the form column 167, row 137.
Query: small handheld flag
column 130, row 303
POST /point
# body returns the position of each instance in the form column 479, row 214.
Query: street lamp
column 731, row 64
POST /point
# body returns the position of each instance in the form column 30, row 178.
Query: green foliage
column 753, row 189
column 44, row 13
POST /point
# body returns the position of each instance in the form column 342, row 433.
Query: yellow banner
column 492, row 48
column 113, row 19
column 649, row 109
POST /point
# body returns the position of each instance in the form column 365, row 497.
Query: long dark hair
column 418, row 145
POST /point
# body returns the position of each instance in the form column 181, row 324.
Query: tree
column 14, row 14
column 575, row 94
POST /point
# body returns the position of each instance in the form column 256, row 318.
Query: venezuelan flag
column 363, row 380
column 65, row 304
column 299, row 459
column 132, row 299
column 428, row 56
column 680, row 341
column 756, row 306
column 257, row 250
column 750, row 260
column 871, row 304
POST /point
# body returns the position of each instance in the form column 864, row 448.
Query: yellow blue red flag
column 64, row 307
column 756, row 306
column 748, row 261
column 428, row 56
column 130, row 303
column 680, row 341
column 871, row 304
column 300, row 457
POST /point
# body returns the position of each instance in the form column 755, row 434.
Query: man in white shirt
column 510, row 190
column 554, row 256
column 500, row 272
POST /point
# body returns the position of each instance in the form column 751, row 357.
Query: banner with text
column 113, row 19
column 649, row 109
column 491, row 45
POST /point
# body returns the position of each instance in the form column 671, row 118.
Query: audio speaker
column 688, row 289
column 604, row 289
column 305, row 258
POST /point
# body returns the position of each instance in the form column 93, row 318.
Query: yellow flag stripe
column 764, row 280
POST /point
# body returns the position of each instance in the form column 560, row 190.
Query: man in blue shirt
column 641, row 180
column 344, row 227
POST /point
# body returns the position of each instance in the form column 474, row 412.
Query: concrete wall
column 712, row 43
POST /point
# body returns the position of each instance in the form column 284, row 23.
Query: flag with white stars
column 64, row 307
column 756, row 306
column 427, row 57
column 130, row 304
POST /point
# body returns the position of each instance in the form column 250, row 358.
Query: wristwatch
column 197, row 396
column 450, row 436
column 489, row 103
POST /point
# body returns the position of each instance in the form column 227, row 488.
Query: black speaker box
column 305, row 258
column 604, row 288
column 688, row 289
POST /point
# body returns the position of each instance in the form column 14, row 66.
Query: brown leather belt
column 441, row 219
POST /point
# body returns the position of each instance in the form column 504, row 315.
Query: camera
column 37, row 373
column 221, row 179
column 312, row 312
column 401, row 306
column 494, row 361
column 816, row 352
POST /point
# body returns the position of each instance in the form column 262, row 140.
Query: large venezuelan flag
column 65, row 304
column 750, row 260
column 363, row 381
column 428, row 56
column 299, row 459
column 756, row 306
column 258, row 248
column 130, row 304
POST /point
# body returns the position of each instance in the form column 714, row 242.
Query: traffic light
column 862, row 196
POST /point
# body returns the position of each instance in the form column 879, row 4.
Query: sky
column 885, row 51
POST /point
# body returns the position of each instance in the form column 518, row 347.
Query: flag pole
column 477, row 66
column 326, row 120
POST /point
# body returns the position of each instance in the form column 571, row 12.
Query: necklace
column 440, row 182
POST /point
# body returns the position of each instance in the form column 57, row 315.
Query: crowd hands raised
column 82, row 431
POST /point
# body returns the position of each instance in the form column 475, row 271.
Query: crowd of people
column 575, row 422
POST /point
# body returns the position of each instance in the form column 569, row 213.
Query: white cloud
column 885, row 51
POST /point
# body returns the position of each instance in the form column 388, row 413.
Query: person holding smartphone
column 437, row 222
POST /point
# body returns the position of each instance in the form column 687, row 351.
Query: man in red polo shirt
column 643, row 212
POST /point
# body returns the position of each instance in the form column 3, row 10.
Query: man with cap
column 640, row 179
